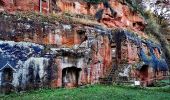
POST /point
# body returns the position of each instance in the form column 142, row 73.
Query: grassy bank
column 95, row 92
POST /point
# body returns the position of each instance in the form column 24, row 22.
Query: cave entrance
column 70, row 76
column 7, row 75
column 144, row 74
column 7, row 78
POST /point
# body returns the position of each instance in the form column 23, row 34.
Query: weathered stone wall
column 65, row 46
column 29, row 68
column 123, row 16
column 139, row 59
column 112, row 14
column 76, row 51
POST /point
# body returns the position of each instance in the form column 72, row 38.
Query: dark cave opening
column 70, row 76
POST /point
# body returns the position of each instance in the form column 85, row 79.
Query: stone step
column 110, row 77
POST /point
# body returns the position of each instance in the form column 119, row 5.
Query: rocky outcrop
column 78, row 47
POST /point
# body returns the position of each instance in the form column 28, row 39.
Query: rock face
column 53, row 54
column 12, row 6
column 111, row 13
column 91, row 43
